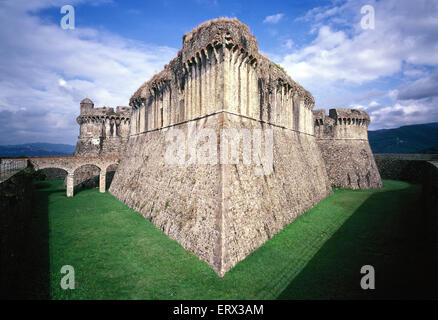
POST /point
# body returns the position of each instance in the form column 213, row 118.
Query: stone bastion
column 223, row 210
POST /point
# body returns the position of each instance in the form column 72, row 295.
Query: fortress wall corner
column 102, row 132
column 343, row 140
column 221, row 212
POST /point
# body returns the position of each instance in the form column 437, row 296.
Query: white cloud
column 425, row 87
column 49, row 70
column 288, row 44
column 402, row 113
column 274, row 18
column 344, row 61
column 62, row 82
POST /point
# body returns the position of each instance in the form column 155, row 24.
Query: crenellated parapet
column 341, row 123
column 102, row 130
column 342, row 137
column 219, row 69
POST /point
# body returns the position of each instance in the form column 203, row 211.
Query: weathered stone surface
column 221, row 212
column 102, row 132
column 81, row 167
column 53, row 173
column 343, row 140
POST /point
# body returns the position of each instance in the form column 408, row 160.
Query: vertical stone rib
column 146, row 108
column 239, row 80
column 248, row 87
column 189, row 92
column 283, row 109
column 142, row 118
column 186, row 93
column 234, row 80
column 218, row 104
column 220, row 78
column 196, row 87
column 302, row 115
column 225, row 66
column 203, row 84
column 244, row 85
column 161, row 108
column 137, row 120
column 210, row 73
column 206, row 94
column 193, row 91
column 165, row 104
column 252, row 92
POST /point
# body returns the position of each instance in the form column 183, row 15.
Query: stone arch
column 47, row 164
column 53, row 172
column 68, row 179
column 112, row 167
column 86, row 175
column 110, row 172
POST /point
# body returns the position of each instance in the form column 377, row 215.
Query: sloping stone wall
column 350, row 164
column 221, row 212
column 343, row 141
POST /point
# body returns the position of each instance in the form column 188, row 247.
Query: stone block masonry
column 102, row 132
column 73, row 166
column 221, row 211
column 342, row 137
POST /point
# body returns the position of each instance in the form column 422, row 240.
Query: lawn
column 118, row 254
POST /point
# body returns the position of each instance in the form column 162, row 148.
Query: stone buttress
column 221, row 211
column 342, row 137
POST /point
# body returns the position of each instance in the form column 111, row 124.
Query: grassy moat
column 118, row 254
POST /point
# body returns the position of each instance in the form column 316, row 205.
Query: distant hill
column 36, row 149
column 418, row 138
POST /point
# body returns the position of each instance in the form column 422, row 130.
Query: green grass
column 117, row 254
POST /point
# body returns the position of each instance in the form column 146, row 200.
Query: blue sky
column 390, row 71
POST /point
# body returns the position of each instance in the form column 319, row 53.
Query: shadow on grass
column 93, row 183
column 394, row 241
column 26, row 271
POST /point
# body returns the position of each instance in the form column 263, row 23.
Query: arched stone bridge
column 70, row 164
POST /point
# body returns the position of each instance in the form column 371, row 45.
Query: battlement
column 217, row 33
column 342, row 138
column 89, row 113
column 102, row 129
column 219, row 68
column 341, row 123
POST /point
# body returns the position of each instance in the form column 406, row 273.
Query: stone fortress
column 102, row 132
column 221, row 212
column 342, row 137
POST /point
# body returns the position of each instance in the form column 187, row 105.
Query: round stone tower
column 102, row 131
column 342, row 137
column 86, row 105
